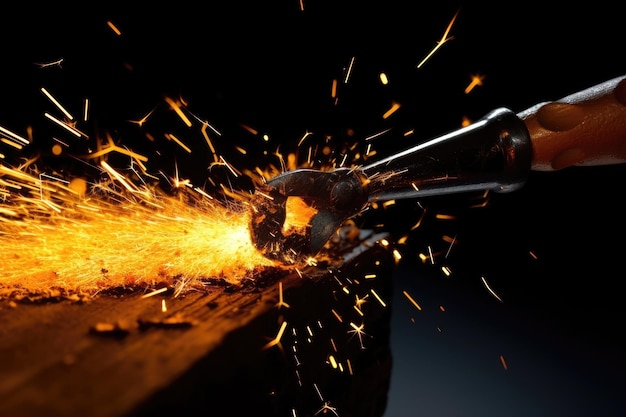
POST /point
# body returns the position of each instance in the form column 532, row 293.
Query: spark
column 503, row 362
column 279, row 335
column 476, row 80
column 112, row 147
column 333, row 89
column 65, row 126
column 383, row 78
column 230, row 167
column 306, row 135
column 163, row 306
column 349, row 71
column 56, row 63
column 154, row 292
column 445, row 38
column 380, row 300
column 376, row 135
column 492, row 292
column 360, row 301
column 412, row 300
column 359, row 332
column 176, row 106
column 144, row 119
column 281, row 302
column 14, row 136
column 114, row 28
column 56, row 103
column 394, row 107
column 86, row 110
column 419, row 221
column 327, row 408
column 450, row 246
column 250, row 129
column 170, row 136
column 333, row 361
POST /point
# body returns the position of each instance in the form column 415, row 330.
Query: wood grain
column 118, row 355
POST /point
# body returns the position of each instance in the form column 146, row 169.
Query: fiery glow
column 85, row 243
column 299, row 214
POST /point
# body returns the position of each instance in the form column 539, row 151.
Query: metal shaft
column 493, row 153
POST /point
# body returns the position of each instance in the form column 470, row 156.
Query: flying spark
column 445, row 38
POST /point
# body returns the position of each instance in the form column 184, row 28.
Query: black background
column 270, row 65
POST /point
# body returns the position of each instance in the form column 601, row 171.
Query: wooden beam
column 122, row 355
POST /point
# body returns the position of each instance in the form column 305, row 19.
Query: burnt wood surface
column 121, row 355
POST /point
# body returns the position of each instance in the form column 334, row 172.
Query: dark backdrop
column 270, row 65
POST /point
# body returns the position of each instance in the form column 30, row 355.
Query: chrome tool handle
column 494, row 153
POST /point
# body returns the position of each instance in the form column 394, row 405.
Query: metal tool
column 495, row 153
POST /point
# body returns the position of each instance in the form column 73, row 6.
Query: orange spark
column 504, row 365
column 281, row 302
column 178, row 142
column 114, row 28
column 380, row 300
column 443, row 40
column 476, row 80
column 13, row 136
column 144, row 119
column 394, row 107
column 250, row 129
column 333, row 89
column 412, row 300
column 337, row 316
column 176, row 106
column 11, row 143
column 112, row 147
column 279, row 335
